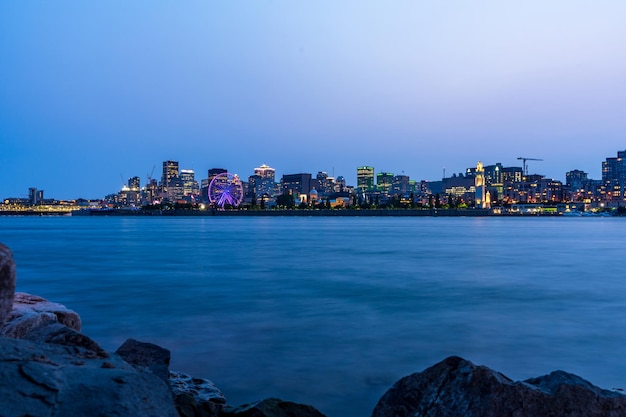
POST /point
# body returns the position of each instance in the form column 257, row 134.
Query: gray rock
column 196, row 397
column 47, row 380
column 146, row 356
column 272, row 407
column 457, row 387
column 30, row 311
column 56, row 333
column 7, row 282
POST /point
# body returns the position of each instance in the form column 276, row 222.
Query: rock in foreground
column 273, row 407
column 41, row 379
column 456, row 387
column 196, row 397
column 7, row 282
column 31, row 311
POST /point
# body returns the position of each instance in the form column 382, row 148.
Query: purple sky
column 95, row 91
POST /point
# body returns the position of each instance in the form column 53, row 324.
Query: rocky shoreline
column 49, row 368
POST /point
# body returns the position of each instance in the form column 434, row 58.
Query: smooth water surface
column 332, row 311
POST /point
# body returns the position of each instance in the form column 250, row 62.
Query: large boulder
column 147, row 356
column 272, row 407
column 7, row 282
column 456, row 387
column 56, row 333
column 196, row 397
column 46, row 380
column 31, row 311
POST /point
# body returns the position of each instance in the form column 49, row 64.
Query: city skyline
column 94, row 91
column 508, row 184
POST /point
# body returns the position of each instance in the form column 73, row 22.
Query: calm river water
column 332, row 311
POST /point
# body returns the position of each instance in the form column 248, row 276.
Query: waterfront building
column 494, row 182
column 480, row 186
column 365, row 179
column 35, row 196
column 461, row 187
column 575, row 181
column 512, row 174
column 614, row 176
column 128, row 197
column 535, row 189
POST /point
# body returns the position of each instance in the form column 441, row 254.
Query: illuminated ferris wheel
column 226, row 189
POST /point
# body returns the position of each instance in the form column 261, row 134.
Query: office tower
column 614, row 169
column 170, row 171
column 365, row 178
column 263, row 181
column 265, row 172
column 325, row 184
column 296, row 184
column 614, row 176
column 214, row 172
column 35, row 196
column 190, row 185
column 512, row 174
column 384, row 180
column 400, row 185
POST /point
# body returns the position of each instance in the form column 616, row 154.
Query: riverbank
column 291, row 213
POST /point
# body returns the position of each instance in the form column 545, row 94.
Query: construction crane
column 150, row 174
column 524, row 166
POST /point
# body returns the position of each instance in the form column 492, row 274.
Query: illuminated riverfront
column 495, row 188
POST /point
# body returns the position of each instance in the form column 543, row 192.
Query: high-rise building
column 384, row 180
column 134, row 184
column 512, row 174
column 214, row 172
column 576, row 179
column 493, row 175
column 296, row 184
column 614, row 176
column 325, row 184
column 170, row 171
column 365, row 178
column 400, row 185
column 190, row 185
column 265, row 171
column 263, row 182
column 35, row 196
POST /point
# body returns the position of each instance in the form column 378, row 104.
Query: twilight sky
column 95, row 91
